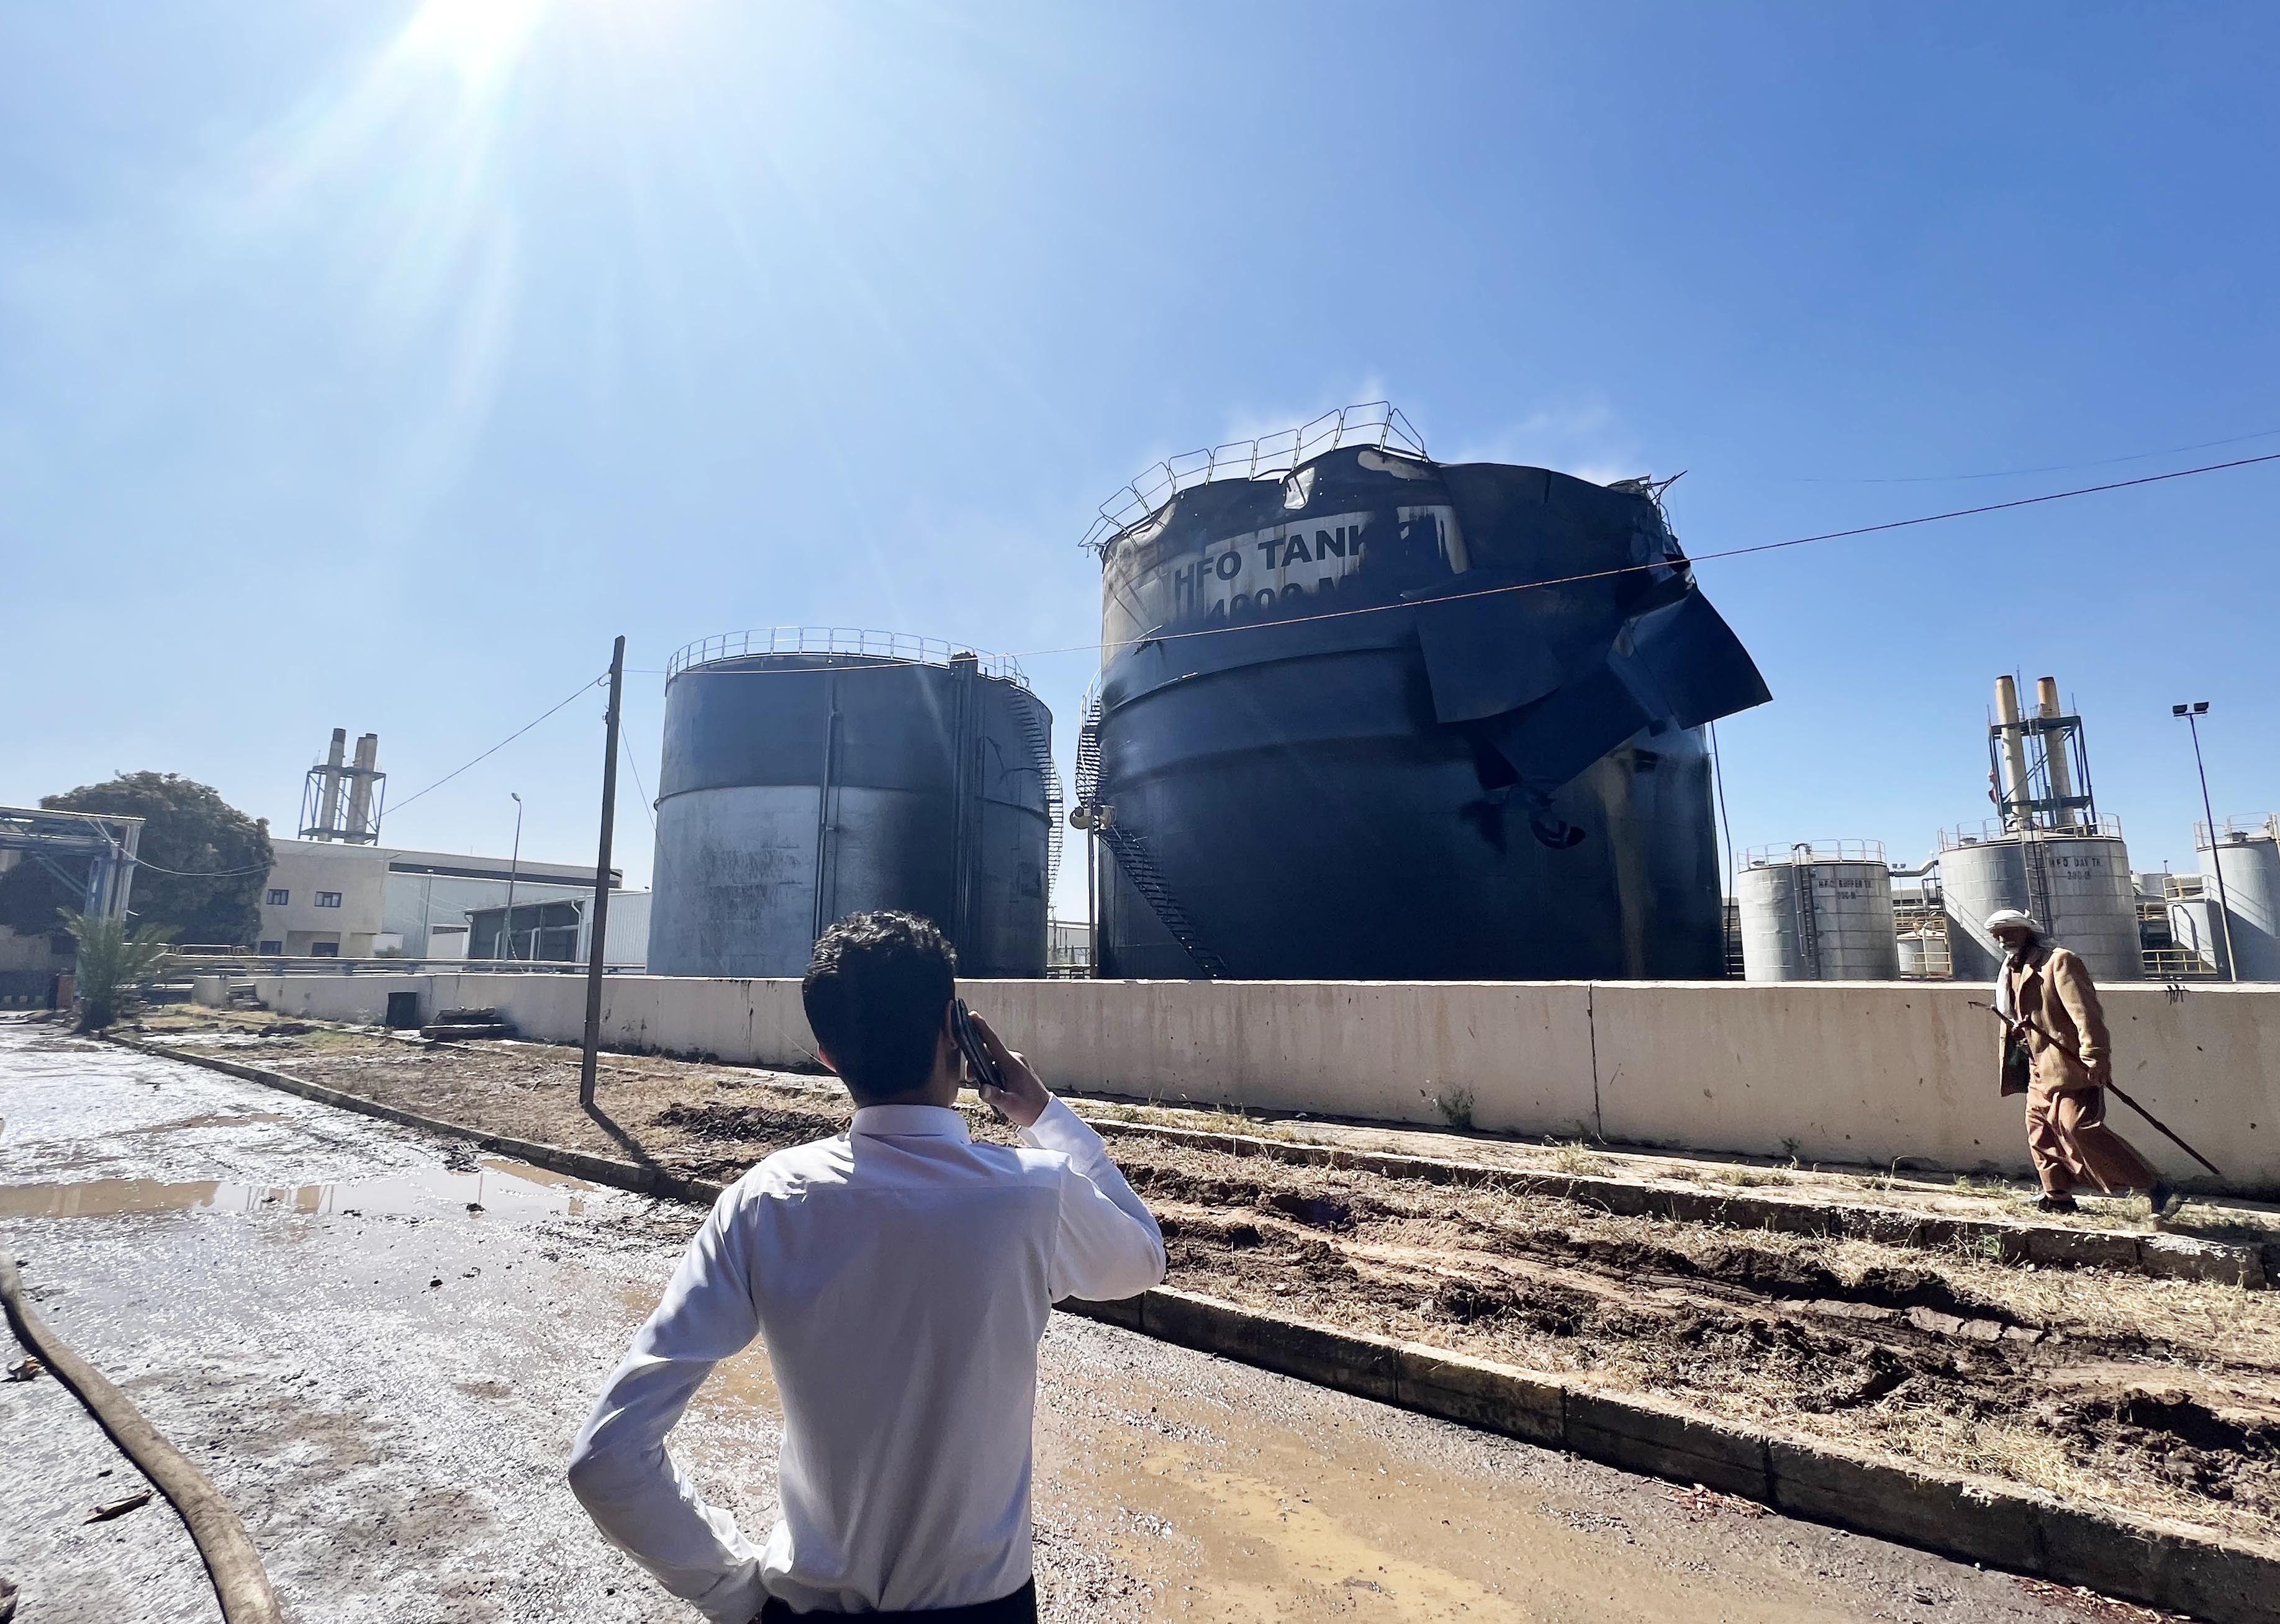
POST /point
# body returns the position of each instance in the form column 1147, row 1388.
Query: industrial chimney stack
column 322, row 795
column 361, row 828
column 2048, row 854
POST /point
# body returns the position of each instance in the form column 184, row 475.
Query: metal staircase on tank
column 1028, row 714
column 1131, row 852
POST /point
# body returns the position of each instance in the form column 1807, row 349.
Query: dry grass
column 1750, row 1178
column 1578, row 1160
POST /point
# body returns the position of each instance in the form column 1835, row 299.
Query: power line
column 626, row 745
column 2006, row 473
column 1341, row 614
column 203, row 873
column 1730, row 552
column 1590, row 575
column 495, row 749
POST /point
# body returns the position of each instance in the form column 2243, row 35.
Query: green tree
column 112, row 961
column 218, row 859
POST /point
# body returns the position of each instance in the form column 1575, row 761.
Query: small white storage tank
column 1818, row 911
column 2078, row 885
column 2248, row 862
column 2198, row 936
column 1923, row 954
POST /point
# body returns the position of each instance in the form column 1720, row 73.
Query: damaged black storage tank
column 809, row 775
column 1494, row 770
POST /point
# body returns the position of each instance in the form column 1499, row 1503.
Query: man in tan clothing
column 2058, row 1025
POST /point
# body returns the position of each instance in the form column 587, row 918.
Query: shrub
column 112, row 961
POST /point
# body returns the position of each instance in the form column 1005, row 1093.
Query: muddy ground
column 2157, row 1396
column 380, row 1345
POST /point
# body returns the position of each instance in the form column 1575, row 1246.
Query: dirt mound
column 767, row 1125
column 2180, row 1418
column 2179, row 1439
column 1314, row 1212
column 1781, row 1275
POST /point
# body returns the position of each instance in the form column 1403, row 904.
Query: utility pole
column 2193, row 714
column 599, row 933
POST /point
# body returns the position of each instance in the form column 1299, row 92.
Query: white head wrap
column 2004, row 919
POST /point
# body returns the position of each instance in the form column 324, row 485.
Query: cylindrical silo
column 2248, row 861
column 802, row 782
column 2078, row 885
column 1364, row 715
column 1819, row 912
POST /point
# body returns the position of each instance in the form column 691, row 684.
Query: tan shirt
column 2052, row 996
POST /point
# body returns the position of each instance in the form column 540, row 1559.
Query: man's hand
column 1024, row 1098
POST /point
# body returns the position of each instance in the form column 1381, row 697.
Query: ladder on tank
column 1131, row 852
column 1808, row 909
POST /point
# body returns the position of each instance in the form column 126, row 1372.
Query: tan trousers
column 2067, row 1137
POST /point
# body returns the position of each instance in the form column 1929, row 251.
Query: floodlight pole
column 598, row 935
column 2193, row 714
column 513, row 868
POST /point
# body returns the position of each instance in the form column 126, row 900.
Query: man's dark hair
column 875, row 993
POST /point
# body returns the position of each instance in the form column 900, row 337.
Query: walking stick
column 2111, row 1088
column 2115, row 1090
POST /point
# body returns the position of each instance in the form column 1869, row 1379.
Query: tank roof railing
column 1814, row 852
column 1993, row 831
column 2235, row 830
column 886, row 646
column 1373, row 423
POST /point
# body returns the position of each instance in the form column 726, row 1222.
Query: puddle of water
column 1262, row 1544
column 506, row 1192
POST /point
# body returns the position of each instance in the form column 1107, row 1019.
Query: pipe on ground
column 239, row 1582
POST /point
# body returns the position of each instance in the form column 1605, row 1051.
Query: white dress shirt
column 902, row 1276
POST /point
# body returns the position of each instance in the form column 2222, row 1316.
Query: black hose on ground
column 239, row 1581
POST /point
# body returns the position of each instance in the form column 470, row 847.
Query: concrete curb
column 2164, row 1257
column 1976, row 1520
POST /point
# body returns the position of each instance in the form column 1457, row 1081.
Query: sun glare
column 479, row 40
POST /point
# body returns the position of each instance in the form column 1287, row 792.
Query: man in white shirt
column 902, row 1277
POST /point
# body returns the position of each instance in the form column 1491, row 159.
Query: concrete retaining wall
column 1869, row 1073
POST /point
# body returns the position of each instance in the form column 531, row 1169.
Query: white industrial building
column 338, row 893
column 330, row 899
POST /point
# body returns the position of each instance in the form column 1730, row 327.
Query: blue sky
column 374, row 364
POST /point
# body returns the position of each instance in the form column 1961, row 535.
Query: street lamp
column 2193, row 714
column 513, row 863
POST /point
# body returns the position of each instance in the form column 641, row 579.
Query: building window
column 324, row 950
column 329, row 899
column 277, row 897
column 274, row 948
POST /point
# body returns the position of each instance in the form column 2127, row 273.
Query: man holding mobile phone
column 901, row 1276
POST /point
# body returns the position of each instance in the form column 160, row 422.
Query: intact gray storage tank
column 1364, row 715
column 2248, row 860
column 810, row 774
column 1818, row 913
column 2079, row 886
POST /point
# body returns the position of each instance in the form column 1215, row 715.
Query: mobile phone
column 970, row 1043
